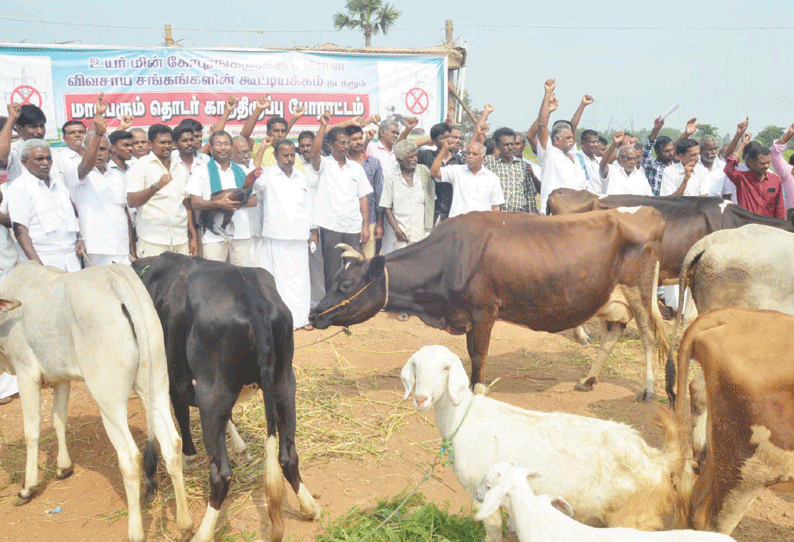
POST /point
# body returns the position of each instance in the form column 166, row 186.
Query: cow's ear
column 376, row 267
column 9, row 304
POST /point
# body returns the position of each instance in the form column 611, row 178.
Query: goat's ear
column 9, row 304
column 562, row 505
column 492, row 501
column 408, row 376
column 457, row 380
column 376, row 266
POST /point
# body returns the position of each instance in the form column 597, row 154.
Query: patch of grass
column 416, row 521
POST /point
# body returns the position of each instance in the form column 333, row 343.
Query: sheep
column 543, row 518
column 604, row 469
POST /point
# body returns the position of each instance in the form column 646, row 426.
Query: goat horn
column 350, row 252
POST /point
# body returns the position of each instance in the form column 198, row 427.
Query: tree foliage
column 707, row 130
column 369, row 16
column 768, row 135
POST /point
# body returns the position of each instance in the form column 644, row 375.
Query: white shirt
column 698, row 184
column 9, row 250
column 287, row 204
column 199, row 185
column 560, row 171
column 719, row 184
column 592, row 173
column 379, row 151
column 163, row 219
column 48, row 214
column 406, row 202
column 256, row 214
column 15, row 168
column 337, row 207
column 64, row 164
column 101, row 199
column 472, row 192
column 618, row 182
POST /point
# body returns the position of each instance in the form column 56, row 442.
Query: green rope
column 446, row 445
column 144, row 270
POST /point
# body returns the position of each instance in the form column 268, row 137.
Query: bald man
column 475, row 188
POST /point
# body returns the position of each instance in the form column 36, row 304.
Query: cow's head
column 359, row 291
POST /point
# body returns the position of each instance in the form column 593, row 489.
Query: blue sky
column 720, row 60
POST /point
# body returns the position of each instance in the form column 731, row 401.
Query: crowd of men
column 109, row 197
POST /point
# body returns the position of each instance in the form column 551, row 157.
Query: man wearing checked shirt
column 517, row 187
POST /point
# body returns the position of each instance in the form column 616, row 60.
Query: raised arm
column 577, row 116
column 691, row 128
column 545, row 112
column 658, row 124
column 297, row 113
column 479, row 135
column 88, row 161
column 741, row 128
column 231, row 105
column 125, row 123
column 532, row 137
column 617, row 140
column 410, row 124
column 262, row 103
column 444, row 154
column 7, row 132
column 99, row 112
column 317, row 144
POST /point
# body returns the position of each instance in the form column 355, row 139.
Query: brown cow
column 687, row 220
column 747, row 357
column 546, row 273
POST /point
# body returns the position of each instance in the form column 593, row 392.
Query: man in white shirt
column 220, row 174
column 44, row 219
column 383, row 148
column 100, row 196
column 287, row 230
column 475, row 188
column 341, row 210
column 560, row 169
column 719, row 184
column 141, row 146
column 316, row 273
column 29, row 122
column 624, row 177
column 590, row 163
column 66, row 160
column 687, row 177
column 156, row 187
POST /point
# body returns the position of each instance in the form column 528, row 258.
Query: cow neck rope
column 352, row 297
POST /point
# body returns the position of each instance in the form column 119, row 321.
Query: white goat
column 543, row 518
column 604, row 469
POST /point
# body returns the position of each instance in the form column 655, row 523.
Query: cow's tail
column 266, row 360
column 660, row 336
column 691, row 259
column 687, row 481
column 131, row 291
column 673, row 449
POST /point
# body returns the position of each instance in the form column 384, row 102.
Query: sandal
column 6, row 400
column 307, row 327
column 403, row 317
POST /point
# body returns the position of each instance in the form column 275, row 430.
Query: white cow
column 96, row 325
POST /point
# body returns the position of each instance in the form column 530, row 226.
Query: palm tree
column 371, row 16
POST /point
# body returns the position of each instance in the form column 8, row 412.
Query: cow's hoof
column 185, row 536
column 586, row 385
column 63, row 474
column 20, row 500
column 646, row 396
column 479, row 388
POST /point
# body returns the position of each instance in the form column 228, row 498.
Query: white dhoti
column 288, row 262
column 8, row 385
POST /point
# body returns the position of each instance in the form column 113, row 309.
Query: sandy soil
column 532, row 370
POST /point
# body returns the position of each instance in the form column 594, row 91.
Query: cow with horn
column 545, row 273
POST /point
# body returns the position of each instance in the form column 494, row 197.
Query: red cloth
column 763, row 197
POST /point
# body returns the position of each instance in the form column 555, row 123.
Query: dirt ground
column 358, row 442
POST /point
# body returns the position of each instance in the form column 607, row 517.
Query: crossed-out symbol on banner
column 416, row 100
column 26, row 93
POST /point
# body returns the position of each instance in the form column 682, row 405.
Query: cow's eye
column 346, row 285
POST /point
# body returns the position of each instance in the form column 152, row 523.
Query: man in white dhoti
column 287, row 230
